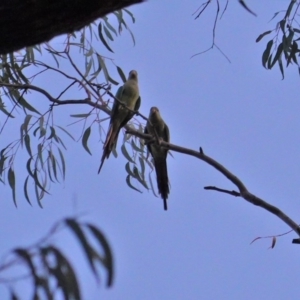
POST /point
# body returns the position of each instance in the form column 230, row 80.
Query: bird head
column 154, row 113
column 133, row 75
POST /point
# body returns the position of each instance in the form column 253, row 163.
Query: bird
column 129, row 95
column 158, row 128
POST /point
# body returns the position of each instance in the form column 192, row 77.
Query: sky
column 242, row 115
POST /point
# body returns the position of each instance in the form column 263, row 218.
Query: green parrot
column 156, row 124
column 130, row 96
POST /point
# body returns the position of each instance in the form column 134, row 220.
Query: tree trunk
column 30, row 22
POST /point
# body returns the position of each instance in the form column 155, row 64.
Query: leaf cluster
column 50, row 270
column 282, row 49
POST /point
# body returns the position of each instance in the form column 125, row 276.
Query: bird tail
column 162, row 179
column 110, row 142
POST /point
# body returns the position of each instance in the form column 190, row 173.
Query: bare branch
column 244, row 193
column 214, row 29
column 214, row 188
column 55, row 100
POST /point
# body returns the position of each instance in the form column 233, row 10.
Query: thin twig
column 214, row 188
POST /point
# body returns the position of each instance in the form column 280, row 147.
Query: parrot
column 156, row 124
column 130, row 96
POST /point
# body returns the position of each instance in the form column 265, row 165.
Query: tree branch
column 55, row 100
column 214, row 188
column 243, row 192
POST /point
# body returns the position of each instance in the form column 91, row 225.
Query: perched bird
column 158, row 128
column 120, row 115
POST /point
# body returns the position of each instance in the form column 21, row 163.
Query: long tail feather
column 162, row 179
column 110, row 141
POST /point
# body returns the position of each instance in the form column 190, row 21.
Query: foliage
column 282, row 49
column 48, row 267
column 88, row 74
column 43, row 138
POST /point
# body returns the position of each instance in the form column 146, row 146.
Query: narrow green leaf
column 282, row 26
column 37, row 182
column 121, row 73
column 53, row 163
column 132, row 36
column 30, row 54
column 269, row 62
column 88, row 250
column 2, row 161
column 95, row 74
column 63, row 164
column 130, row 185
column 26, row 123
column 38, row 195
column 25, row 189
column 52, row 133
column 40, row 154
column 41, row 122
column 287, row 40
column 12, row 183
column 139, row 178
column 8, row 69
column 130, row 14
column 281, row 67
column 26, row 257
column 60, row 141
column 110, row 27
column 78, row 116
column 42, row 132
column 292, row 54
column 112, row 80
column 103, row 39
column 107, row 252
column 85, row 138
column 27, row 144
column 2, row 108
column 296, row 30
column 277, row 55
column 88, row 68
column 142, row 164
column 119, row 16
column 128, row 170
column 135, row 147
column 21, row 75
column 62, row 271
column 103, row 66
column 274, row 16
column 49, row 169
column 125, row 153
column 34, row 132
column 90, row 52
column 26, row 105
column 266, row 53
column 288, row 12
column 108, row 33
column 28, row 167
column 262, row 35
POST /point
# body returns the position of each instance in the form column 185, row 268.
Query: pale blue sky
column 242, row 115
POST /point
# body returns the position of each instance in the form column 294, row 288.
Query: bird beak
column 154, row 110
